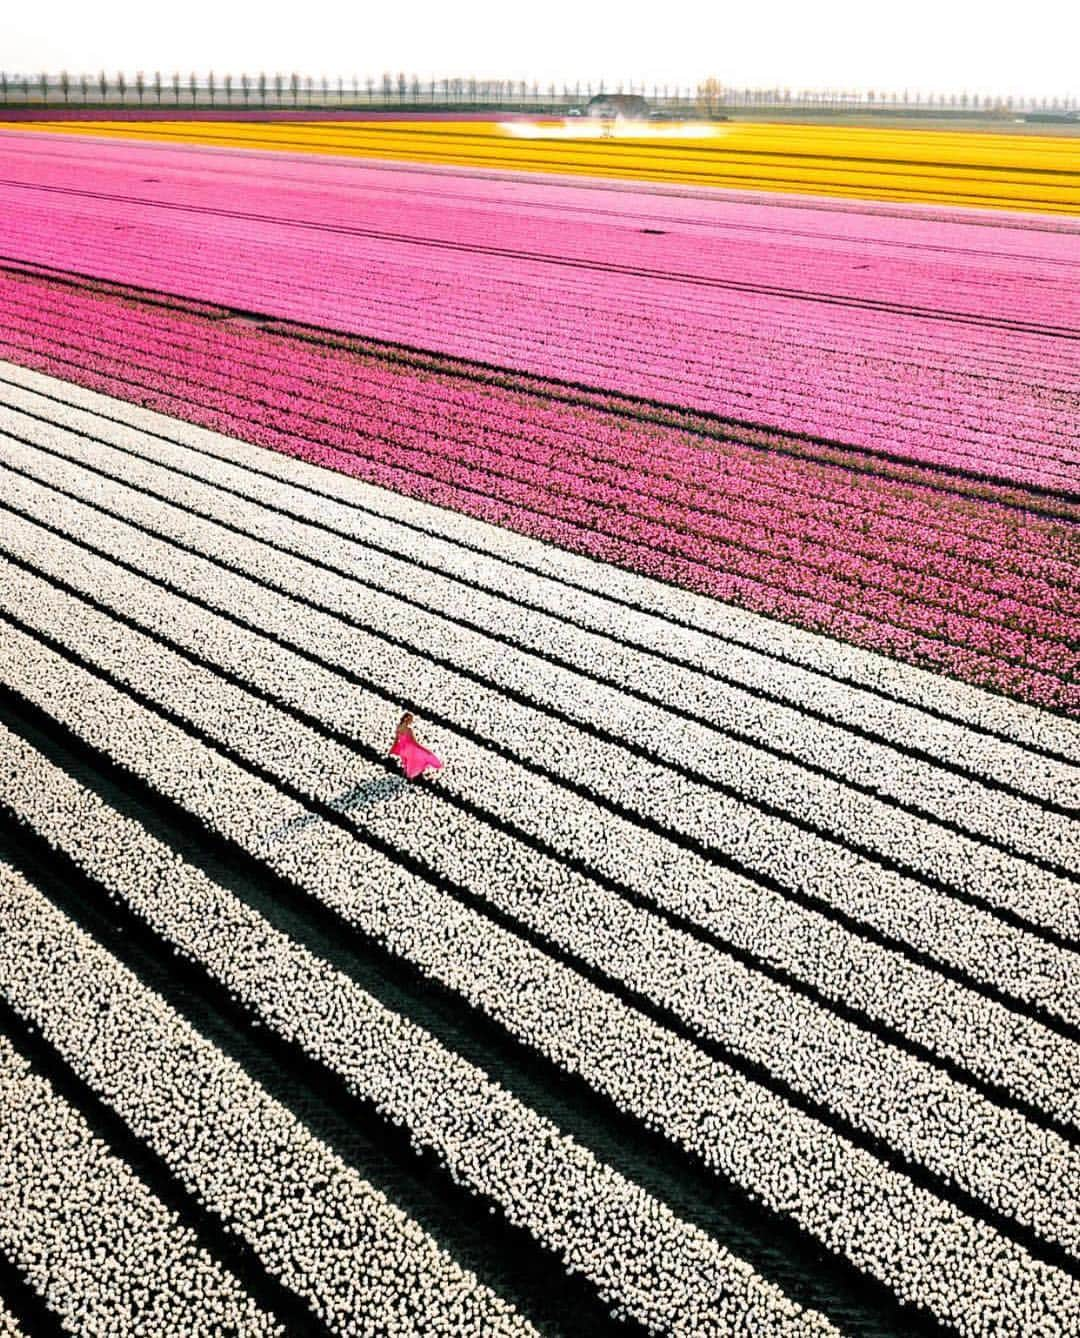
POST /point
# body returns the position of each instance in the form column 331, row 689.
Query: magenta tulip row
column 703, row 315
column 581, row 479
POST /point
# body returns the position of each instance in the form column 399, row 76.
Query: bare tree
column 103, row 85
column 4, row 87
column 157, row 86
column 294, row 86
column 140, row 85
column 43, row 84
column 65, row 85
column 341, row 90
column 25, row 85
column 309, row 88
column 279, row 87
column 401, row 87
column 355, row 90
column 228, row 89
column 262, row 86
column 245, row 87
column 325, row 89
column 193, row 86
column 121, row 85
column 175, row 81
column 369, row 84
column 211, row 85
column 84, row 88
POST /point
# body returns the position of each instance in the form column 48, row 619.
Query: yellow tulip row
column 1026, row 172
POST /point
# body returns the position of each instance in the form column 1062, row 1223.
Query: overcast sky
column 931, row 45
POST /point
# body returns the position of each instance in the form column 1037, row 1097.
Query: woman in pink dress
column 414, row 758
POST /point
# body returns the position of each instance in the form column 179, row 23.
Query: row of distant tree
column 278, row 87
column 174, row 87
column 291, row 89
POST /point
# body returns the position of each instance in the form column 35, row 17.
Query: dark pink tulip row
column 733, row 309
column 480, row 452
column 987, row 536
column 830, row 570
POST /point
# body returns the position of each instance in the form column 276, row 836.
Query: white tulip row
column 602, row 1225
column 764, row 653
column 101, row 1250
column 840, row 812
column 966, row 938
column 994, row 1043
column 533, row 612
column 1023, row 825
column 9, row 1325
column 304, row 1211
column 916, row 1244
column 993, row 1154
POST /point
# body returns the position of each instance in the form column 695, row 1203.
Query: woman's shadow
column 378, row 790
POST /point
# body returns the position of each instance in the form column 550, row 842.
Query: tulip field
column 982, row 169
column 725, row 545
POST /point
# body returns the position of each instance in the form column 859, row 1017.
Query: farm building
column 616, row 105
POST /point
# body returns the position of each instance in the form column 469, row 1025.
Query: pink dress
column 414, row 759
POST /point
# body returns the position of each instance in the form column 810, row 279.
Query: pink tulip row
column 1035, row 238
column 532, row 465
column 693, row 486
column 659, row 459
column 987, row 348
column 977, row 397
column 666, row 463
column 844, row 411
column 903, row 260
